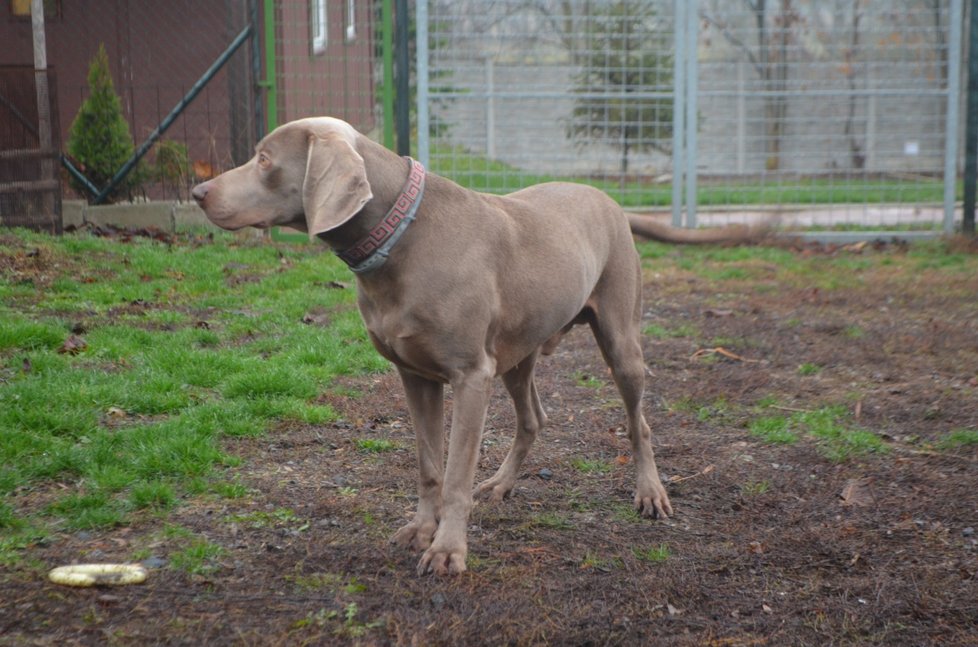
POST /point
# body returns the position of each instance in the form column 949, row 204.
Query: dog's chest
column 405, row 344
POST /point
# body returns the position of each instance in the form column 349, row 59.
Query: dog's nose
column 199, row 192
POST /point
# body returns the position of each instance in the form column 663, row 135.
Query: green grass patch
column 590, row 466
column 774, row 430
column 482, row 174
column 755, row 488
column 377, row 445
column 184, row 346
column 681, row 331
column 830, row 426
column 552, row 521
column 585, row 379
column 653, row 554
column 278, row 518
column 959, row 439
column 809, row 369
column 198, row 557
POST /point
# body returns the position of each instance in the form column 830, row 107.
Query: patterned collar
column 371, row 251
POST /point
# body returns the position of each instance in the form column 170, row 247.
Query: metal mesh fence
column 833, row 114
column 839, row 112
column 157, row 52
column 30, row 195
column 213, row 76
column 524, row 91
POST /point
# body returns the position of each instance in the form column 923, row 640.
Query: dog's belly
column 441, row 352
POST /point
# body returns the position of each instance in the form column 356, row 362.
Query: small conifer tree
column 99, row 137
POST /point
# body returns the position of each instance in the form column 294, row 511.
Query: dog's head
column 305, row 174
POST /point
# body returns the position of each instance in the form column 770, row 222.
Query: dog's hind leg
column 530, row 419
column 615, row 323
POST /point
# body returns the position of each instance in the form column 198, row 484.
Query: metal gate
column 839, row 117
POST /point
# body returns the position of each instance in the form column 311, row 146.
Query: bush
column 99, row 138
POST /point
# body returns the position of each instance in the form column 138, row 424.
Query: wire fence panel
column 834, row 109
column 521, row 92
column 833, row 113
column 157, row 52
column 292, row 59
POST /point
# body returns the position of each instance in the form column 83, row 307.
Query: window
column 22, row 8
column 351, row 20
column 317, row 15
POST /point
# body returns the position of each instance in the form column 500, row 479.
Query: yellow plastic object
column 98, row 574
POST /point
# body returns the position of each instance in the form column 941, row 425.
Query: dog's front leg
column 471, row 399
column 426, row 405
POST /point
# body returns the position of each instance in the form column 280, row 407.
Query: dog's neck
column 386, row 173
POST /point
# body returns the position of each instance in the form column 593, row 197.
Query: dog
column 458, row 287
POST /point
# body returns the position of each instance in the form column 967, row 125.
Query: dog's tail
column 653, row 228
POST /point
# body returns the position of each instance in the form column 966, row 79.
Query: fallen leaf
column 73, row 345
column 856, row 493
column 766, row 609
column 718, row 312
column 203, row 170
column 316, row 319
column 622, row 459
column 755, row 547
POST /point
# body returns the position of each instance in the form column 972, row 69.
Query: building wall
column 338, row 81
column 156, row 52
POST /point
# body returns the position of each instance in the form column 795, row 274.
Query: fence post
column 951, row 119
column 692, row 87
column 270, row 83
column 971, row 127
column 678, row 108
column 402, row 107
column 421, row 16
column 43, row 111
column 387, row 48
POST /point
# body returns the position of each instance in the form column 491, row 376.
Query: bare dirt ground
column 771, row 544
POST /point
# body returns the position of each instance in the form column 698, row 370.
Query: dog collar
column 372, row 250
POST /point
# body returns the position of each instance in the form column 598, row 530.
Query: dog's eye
column 263, row 160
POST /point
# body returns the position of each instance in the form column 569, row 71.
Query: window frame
column 318, row 27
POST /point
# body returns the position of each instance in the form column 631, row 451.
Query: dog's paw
column 442, row 562
column 654, row 504
column 495, row 489
column 417, row 535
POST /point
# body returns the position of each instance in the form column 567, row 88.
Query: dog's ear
column 335, row 187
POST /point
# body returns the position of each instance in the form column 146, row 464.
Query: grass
column 198, row 557
column 377, row 445
column 657, row 331
column 959, row 439
column 653, row 554
column 590, row 466
column 830, row 426
column 585, row 379
column 808, row 369
column 185, row 347
column 755, row 488
column 482, row 174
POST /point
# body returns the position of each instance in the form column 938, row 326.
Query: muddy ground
column 770, row 544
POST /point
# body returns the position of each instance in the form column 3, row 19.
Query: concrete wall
column 166, row 216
